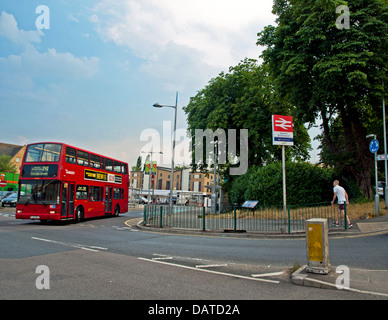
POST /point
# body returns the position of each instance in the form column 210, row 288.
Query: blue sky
column 92, row 78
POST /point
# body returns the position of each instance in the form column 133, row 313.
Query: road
column 108, row 259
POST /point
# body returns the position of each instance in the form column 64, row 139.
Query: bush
column 306, row 183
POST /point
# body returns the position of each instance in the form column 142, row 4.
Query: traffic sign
column 3, row 183
column 382, row 156
column 374, row 146
column 282, row 130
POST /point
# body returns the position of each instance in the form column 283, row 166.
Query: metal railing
column 237, row 219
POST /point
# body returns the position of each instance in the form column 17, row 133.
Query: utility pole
column 385, row 152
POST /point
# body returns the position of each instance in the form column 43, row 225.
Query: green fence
column 236, row 219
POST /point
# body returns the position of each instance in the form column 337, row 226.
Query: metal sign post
column 374, row 147
column 3, row 184
column 283, row 135
column 385, row 152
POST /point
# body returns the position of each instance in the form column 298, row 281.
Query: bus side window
column 94, row 194
column 94, row 161
column 108, row 164
column 70, row 155
column 117, row 166
column 81, row 193
column 83, row 158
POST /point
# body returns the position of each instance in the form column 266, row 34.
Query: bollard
column 317, row 246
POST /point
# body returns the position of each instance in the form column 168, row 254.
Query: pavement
column 374, row 282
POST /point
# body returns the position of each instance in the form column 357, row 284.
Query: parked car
column 5, row 194
column 10, row 201
column 143, row 200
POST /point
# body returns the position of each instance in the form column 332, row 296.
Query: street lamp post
column 158, row 105
column 385, row 152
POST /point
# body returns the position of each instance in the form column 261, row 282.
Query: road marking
column 349, row 289
column 267, row 274
column 211, row 265
column 208, row 271
column 162, row 257
column 73, row 245
column 124, row 228
column 98, row 248
column 129, row 222
column 377, row 233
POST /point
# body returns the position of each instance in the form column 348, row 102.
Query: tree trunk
column 356, row 145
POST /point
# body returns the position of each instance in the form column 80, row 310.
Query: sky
column 87, row 73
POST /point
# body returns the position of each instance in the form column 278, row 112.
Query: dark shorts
column 341, row 206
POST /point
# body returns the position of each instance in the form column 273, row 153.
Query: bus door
column 108, row 199
column 67, row 206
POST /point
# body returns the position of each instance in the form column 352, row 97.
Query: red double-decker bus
column 61, row 182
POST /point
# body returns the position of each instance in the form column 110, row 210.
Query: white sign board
column 282, row 130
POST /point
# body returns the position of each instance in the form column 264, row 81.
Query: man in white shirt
column 342, row 196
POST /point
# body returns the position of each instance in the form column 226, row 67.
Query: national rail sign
column 282, row 130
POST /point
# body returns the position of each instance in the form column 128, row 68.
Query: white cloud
column 50, row 63
column 29, row 81
column 174, row 34
column 9, row 29
column 20, row 74
column 32, row 63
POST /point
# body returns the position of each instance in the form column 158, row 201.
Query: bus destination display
column 40, row 171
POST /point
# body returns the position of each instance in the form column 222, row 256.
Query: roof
column 9, row 149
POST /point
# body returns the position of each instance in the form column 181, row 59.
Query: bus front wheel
column 79, row 215
column 117, row 211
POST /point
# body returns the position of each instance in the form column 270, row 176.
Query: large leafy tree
column 331, row 73
column 244, row 98
column 6, row 165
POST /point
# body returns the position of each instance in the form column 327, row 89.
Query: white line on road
column 211, row 265
column 162, row 257
column 79, row 246
column 267, row 274
column 208, row 271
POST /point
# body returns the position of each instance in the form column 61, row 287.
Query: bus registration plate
column 35, row 217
